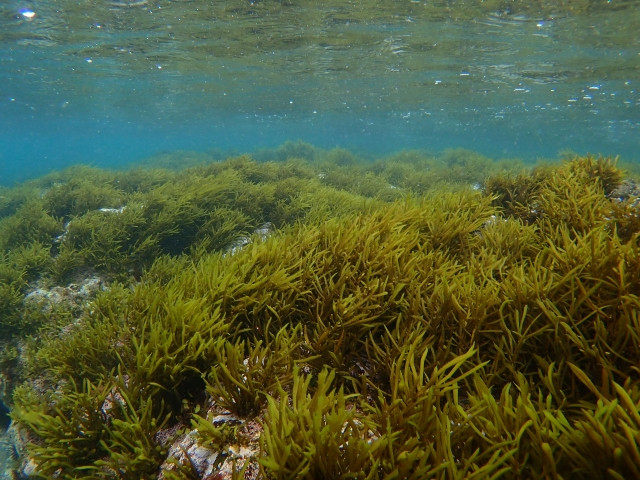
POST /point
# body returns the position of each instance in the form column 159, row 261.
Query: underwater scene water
column 319, row 240
column 110, row 82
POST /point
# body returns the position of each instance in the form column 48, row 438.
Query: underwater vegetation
column 447, row 330
column 119, row 222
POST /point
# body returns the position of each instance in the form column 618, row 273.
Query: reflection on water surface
column 546, row 76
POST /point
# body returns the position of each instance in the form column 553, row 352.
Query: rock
column 217, row 464
column 73, row 297
column 627, row 190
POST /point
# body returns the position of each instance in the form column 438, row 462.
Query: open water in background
column 109, row 82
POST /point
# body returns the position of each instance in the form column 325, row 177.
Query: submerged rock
column 201, row 459
column 49, row 300
column 208, row 463
column 628, row 190
column 72, row 297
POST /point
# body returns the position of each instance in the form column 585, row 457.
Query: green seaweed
column 96, row 431
column 441, row 332
column 84, row 189
column 243, row 374
column 68, row 428
column 90, row 348
column 31, row 223
column 313, row 433
column 131, row 449
column 11, row 299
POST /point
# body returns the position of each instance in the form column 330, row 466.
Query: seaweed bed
column 313, row 315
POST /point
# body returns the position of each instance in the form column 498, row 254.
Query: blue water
column 111, row 83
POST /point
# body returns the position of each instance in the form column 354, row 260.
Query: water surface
column 111, row 82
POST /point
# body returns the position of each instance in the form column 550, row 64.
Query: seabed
column 314, row 315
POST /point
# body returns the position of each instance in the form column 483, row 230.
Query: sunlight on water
column 82, row 80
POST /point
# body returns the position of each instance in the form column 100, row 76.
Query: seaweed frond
column 314, row 432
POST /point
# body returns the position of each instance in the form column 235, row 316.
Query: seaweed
column 243, row 374
column 68, row 431
column 313, row 433
column 460, row 333
column 31, row 223
column 84, row 189
column 90, row 348
column 95, row 431
column 11, row 299
column 131, row 448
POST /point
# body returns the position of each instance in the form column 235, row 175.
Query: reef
column 316, row 315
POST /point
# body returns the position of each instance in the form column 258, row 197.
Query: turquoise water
column 112, row 82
